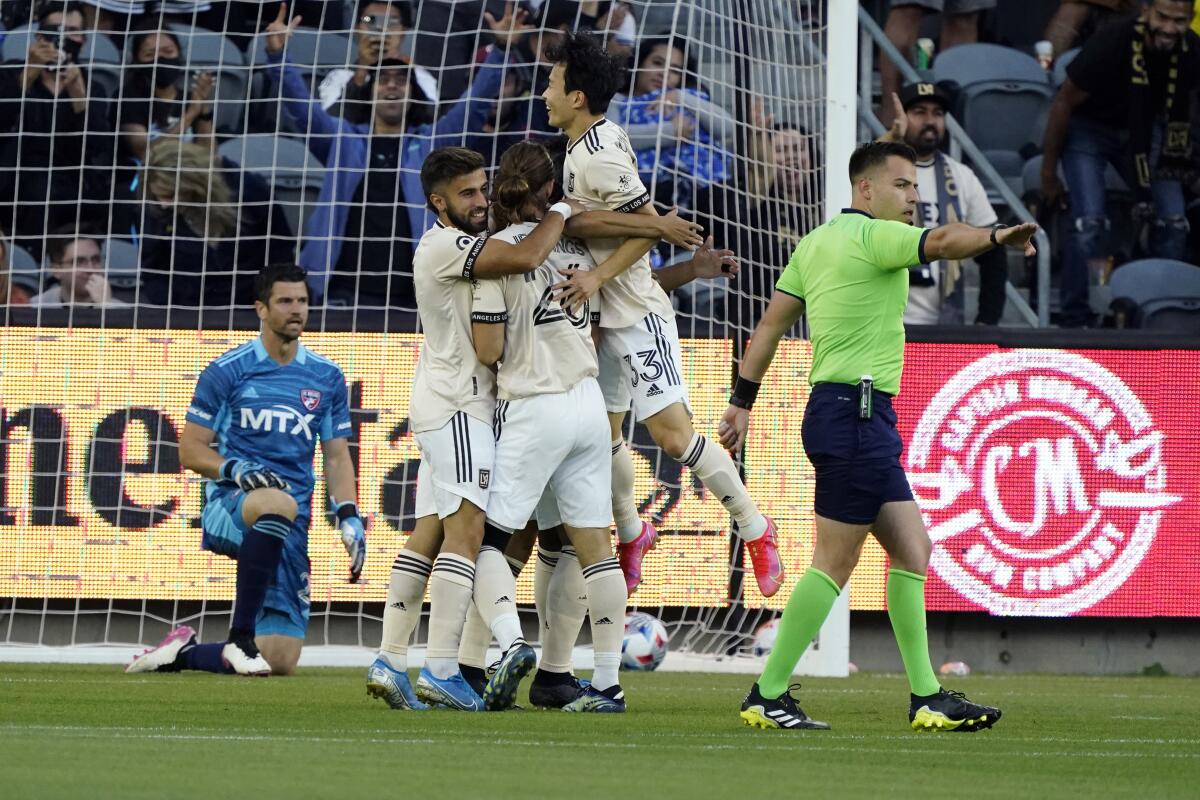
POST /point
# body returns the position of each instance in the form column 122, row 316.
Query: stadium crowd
column 195, row 142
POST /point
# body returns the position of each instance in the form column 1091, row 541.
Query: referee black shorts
column 857, row 461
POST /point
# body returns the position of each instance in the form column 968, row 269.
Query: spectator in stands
column 506, row 123
column 209, row 228
column 960, row 25
column 113, row 17
column 380, row 29
column 51, row 161
column 77, row 265
column 358, row 241
column 11, row 294
column 678, row 135
column 152, row 104
column 1126, row 101
column 949, row 191
column 1074, row 17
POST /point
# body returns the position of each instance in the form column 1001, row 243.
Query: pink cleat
column 630, row 555
column 162, row 654
column 764, row 555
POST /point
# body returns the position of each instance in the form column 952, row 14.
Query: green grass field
column 71, row 731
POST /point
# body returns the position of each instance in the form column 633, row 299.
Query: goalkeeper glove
column 354, row 537
column 250, row 475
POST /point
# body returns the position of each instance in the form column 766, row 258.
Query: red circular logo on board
column 1041, row 478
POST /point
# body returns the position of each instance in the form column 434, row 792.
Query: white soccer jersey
column 449, row 377
column 547, row 349
column 600, row 171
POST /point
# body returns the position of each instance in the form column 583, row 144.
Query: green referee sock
column 806, row 610
column 906, row 610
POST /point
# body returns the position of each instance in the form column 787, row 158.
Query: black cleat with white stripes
column 780, row 712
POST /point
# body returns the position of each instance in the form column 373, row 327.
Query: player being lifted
column 453, row 402
column 265, row 404
column 550, row 427
column 639, row 344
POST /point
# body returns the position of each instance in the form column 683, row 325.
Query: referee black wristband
column 996, row 228
column 745, row 392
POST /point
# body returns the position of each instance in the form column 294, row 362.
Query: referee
column 851, row 276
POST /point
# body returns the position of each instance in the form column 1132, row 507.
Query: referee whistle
column 866, row 397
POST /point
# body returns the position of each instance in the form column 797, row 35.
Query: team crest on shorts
column 310, row 398
column 1042, row 479
column 485, row 478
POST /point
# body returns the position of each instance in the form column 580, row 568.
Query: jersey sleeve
column 212, row 387
column 487, row 301
column 894, row 245
column 455, row 253
column 336, row 423
column 613, row 177
column 792, row 280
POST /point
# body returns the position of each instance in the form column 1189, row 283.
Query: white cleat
column 244, row 659
column 164, row 653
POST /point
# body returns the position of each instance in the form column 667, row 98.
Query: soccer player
column 851, row 277
column 453, row 402
column 639, row 344
column 265, row 404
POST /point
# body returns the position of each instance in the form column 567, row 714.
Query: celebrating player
column 551, row 431
column 265, row 404
column 453, row 402
column 639, row 345
column 851, row 277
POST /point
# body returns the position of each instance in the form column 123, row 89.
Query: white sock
column 606, row 605
column 476, row 637
column 625, row 512
column 402, row 612
column 450, row 586
column 715, row 469
column 495, row 589
column 543, row 571
column 566, row 606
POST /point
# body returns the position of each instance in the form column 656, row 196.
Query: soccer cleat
column 476, row 677
column 453, row 692
column 950, row 711
column 163, row 654
column 547, row 694
column 782, row 712
column 501, row 690
column 242, row 656
column 595, row 701
column 764, row 555
column 392, row 687
column 630, row 555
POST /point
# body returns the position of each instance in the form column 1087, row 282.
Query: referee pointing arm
column 851, row 277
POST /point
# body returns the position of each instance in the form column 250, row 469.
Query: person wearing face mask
column 949, row 192
column 52, row 163
column 153, row 104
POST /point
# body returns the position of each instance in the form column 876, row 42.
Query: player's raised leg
column 634, row 537
column 901, row 531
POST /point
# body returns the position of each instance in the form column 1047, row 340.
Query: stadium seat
column 1003, row 103
column 208, row 51
column 311, row 50
column 121, row 263
column 1060, row 65
column 25, row 271
column 98, row 49
column 294, row 173
column 1165, row 293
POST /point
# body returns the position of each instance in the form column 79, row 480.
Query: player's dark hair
column 589, row 68
column 875, row 154
column 272, row 274
column 524, row 168
column 446, row 164
column 63, row 236
column 47, row 7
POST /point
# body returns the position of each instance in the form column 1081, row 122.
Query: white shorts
column 457, row 463
column 640, row 365
column 555, row 442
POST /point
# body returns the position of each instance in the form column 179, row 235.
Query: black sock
column 474, row 675
column 544, row 678
column 258, row 559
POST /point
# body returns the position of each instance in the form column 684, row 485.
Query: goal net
column 150, row 165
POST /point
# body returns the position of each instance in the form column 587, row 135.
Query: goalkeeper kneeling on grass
column 265, row 404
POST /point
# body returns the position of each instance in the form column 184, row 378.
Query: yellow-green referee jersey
column 852, row 274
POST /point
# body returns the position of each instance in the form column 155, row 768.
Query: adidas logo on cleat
column 653, row 391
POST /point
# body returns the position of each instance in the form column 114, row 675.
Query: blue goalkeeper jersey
column 273, row 414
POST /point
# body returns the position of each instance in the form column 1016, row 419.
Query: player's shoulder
column 440, row 238
column 321, row 365
column 235, row 359
column 515, row 232
column 605, row 139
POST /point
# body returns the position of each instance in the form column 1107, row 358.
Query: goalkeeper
column 851, row 276
column 265, row 404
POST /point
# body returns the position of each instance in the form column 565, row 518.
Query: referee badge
column 485, row 478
